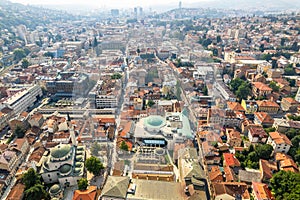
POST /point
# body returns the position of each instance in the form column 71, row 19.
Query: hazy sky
column 108, row 3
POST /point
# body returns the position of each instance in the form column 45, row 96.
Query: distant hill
column 14, row 14
column 248, row 4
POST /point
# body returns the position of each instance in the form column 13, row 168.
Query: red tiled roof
column 89, row 194
column 230, row 160
column 262, row 191
column 261, row 86
column 279, row 138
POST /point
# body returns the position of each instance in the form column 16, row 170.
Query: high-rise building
column 115, row 12
column 180, row 4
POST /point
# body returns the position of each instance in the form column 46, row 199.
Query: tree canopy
column 285, row 185
column 19, row 54
column 150, row 103
column 19, row 132
column 96, row 147
column 31, row 178
column 82, row 184
column 116, row 76
column 274, row 86
column 243, row 91
column 240, row 88
column 25, row 63
column 94, row 165
column 124, row 146
column 33, row 186
column 36, row 192
column 250, row 157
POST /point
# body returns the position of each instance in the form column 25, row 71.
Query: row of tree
column 240, row 88
column 250, row 157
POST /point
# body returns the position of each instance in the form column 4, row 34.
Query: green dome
column 60, row 151
column 54, row 189
column 65, row 168
column 80, row 148
column 78, row 164
column 79, row 158
column 77, row 170
column 154, row 121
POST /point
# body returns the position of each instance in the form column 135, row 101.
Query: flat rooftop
column 156, row 190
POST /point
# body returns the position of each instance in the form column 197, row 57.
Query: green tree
column 49, row 54
column 205, row 90
column 94, row 165
column 36, row 192
column 206, row 42
column 25, row 63
column 292, row 82
column 82, row 184
column 19, row 132
column 19, row 54
column 289, row 71
column 235, row 83
column 266, row 57
column 285, row 185
column 282, row 41
column 219, row 39
column 269, row 130
column 96, row 147
column 295, row 148
column 274, row 86
column 264, row 151
column 124, row 146
column 243, row 91
column 150, row 103
column 116, row 76
column 31, row 178
column 95, row 42
column 295, row 46
column 291, row 133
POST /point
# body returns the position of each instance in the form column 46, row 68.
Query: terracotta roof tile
column 230, row 160
column 262, row 191
column 89, row 194
column 279, row 138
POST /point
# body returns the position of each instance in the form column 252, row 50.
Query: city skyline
column 101, row 3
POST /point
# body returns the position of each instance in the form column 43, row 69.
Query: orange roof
column 262, row 191
column 16, row 192
column 279, row 138
column 129, row 143
column 281, row 156
column 228, row 174
column 215, row 174
column 265, row 103
column 126, row 129
column 261, row 86
column 288, row 165
column 179, row 70
column 233, row 134
column 230, row 160
column 264, row 117
column 267, row 168
column 290, row 100
column 235, row 106
column 89, row 194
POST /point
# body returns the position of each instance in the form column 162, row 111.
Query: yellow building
column 249, row 106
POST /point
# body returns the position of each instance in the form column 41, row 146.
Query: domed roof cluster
column 60, row 151
column 65, row 168
column 154, row 121
column 55, row 189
